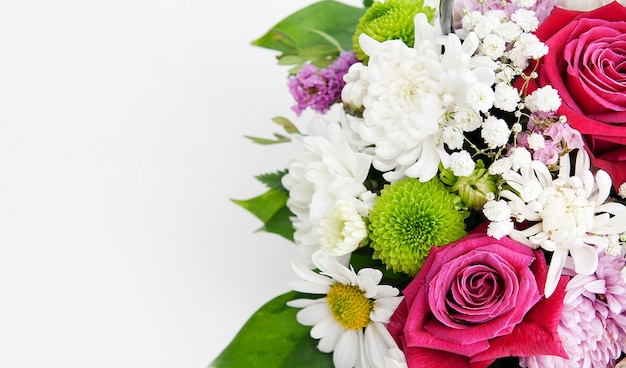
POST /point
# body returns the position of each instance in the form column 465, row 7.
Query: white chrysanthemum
column 406, row 94
column 350, row 320
column 570, row 213
column 461, row 163
column 323, row 169
column 495, row 132
column 507, row 97
column 544, row 99
column 343, row 229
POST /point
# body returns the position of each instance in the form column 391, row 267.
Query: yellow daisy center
column 349, row 306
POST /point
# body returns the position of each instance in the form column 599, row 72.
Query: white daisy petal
column 347, row 350
column 311, row 315
column 302, row 303
column 308, row 287
column 328, row 342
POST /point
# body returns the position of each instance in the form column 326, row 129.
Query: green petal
column 409, row 218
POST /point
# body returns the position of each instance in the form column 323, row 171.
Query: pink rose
column 477, row 300
column 586, row 64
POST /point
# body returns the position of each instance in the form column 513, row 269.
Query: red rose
column 477, row 300
column 587, row 65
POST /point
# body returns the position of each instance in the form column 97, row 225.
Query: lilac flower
column 317, row 88
column 563, row 131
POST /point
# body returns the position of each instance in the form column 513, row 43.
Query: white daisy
column 350, row 320
column 570, row 213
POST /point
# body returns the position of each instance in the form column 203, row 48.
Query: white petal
column 308, row 275
column 308, row 287
column 554, row 271
column 347, row 350
column 369, row 45
column 328, row 343
column 325, row 327
column 374, row 346
column 303, row 303
column 312, row 314
column 423, row 30
column 585, row 259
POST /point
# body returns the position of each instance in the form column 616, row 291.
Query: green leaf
column 273, row 180
column 271, row 208
column 286, row 124
column 272, row 338
column 280, row 224
column 266, row 141
column 302, row 29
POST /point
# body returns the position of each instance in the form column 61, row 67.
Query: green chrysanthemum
column 391, row 20
column 410, row 217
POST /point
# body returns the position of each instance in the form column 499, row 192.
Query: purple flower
column 593, row 321
column 563, row 131
column 318, row 89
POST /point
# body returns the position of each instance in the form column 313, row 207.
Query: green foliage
column 272, row 338
column 287, row 125
column 273, row 180
column 271, row 208
column 316, row 33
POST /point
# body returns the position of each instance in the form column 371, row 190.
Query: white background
column 121, row 125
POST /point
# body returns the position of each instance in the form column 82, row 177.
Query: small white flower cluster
column 507, row 39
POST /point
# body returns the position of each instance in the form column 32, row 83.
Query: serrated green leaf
column 271, row 208
column 272, row 338
column 295, row 31
column 273, row 180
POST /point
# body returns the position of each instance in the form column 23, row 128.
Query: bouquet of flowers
column 459, row 195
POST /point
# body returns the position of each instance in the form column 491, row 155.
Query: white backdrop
column 121, row 125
